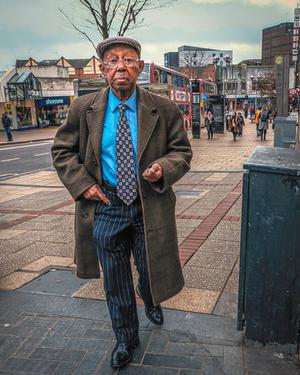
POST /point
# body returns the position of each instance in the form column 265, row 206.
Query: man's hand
column 94, row 193
column 154, row 173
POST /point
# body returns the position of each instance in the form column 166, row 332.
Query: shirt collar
column 114, row 102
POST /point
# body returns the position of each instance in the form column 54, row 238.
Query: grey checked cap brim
column 114, row 41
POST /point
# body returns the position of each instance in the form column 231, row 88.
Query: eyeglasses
column 130, row 62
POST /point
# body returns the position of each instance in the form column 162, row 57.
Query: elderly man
column 119, row 153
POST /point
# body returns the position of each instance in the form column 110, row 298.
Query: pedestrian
column 6, row 122
column 264, row 123
column 228, row 122
column 210, row 124
column 257, row 116
column 234, row 116
column 246, row 111
column 119, row 153
column 233, row 128
column 240, row 123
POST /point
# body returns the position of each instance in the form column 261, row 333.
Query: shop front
column 23, row 91
column 53, row 110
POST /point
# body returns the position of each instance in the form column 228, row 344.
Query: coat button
column 85, row 215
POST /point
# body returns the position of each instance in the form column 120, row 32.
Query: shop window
column 24, row 116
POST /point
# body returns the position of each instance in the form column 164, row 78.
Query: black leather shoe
column 122, row 353
column 153, row 313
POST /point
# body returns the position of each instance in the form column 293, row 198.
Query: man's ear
column 141, row 66
column 103, row 69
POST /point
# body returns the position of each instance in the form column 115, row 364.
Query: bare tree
column 107, row 17
column 194, row 60
column 266, row 85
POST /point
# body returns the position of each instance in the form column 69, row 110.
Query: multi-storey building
column 189, row 56
column 277, row 39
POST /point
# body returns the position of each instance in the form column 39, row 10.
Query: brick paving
column 48, row 333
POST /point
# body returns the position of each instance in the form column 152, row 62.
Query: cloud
column 261, row 3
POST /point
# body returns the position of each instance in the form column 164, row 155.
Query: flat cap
column 114, row 41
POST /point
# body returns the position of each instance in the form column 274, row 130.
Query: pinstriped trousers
column 119, row 232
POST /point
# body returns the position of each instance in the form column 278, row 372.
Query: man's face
column 120, row 77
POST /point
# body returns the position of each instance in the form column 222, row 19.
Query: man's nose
column 121, row 65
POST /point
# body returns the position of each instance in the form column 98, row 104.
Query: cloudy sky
column 36, row 28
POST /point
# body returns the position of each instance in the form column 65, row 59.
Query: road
column 24, row 158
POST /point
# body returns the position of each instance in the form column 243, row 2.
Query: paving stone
column 227, row 231
column 71, row 344
column 147, row 370
column 11, row 317
column 58, row 282
column 173, row 361
column 220, row 246
column 233, row 360
column 57, row 354
column 89, row 363
column 141, row 349
column 19, row 331
column 66, row 368
column 213, row 260
column 191, row 372
column 207, row 279
column 16, row 280
column 40, row 321
column 227, row 305
column 232, row 285
column 6, row 234
column 94, row 289
column 48, row 261
column 203, row 350
column 193, row 299
column 30, row 365
column 8, row 345
column 160, row 339
column 99, row 333
column 28, row 345
column 62, row 326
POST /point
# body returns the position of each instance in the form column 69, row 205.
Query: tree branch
column 76, row 28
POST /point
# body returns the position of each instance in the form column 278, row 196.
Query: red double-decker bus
column 170, row 83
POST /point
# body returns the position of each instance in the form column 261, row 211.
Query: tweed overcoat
column 76, row 156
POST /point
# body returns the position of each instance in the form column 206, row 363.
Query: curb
column 28, row 141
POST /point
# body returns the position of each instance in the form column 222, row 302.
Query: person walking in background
column 210, row 124
column 264, row 123
column 233, row 129
column 240, row 123
column 257, row 116
column 246, row 111
column 118, row 154
column 6, row 122
column 228, row 122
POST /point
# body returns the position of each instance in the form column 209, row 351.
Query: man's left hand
column 154, row 173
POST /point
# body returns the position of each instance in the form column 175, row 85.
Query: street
column 24, row 158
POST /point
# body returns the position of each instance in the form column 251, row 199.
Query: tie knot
column 122, row 108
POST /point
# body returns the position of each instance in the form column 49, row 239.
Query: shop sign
column 53, row 101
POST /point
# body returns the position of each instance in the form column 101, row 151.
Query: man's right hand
column 94, row 193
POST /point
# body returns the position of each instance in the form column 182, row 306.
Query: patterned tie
column 126, row 181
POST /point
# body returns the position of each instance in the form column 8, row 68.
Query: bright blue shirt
column 108, row 146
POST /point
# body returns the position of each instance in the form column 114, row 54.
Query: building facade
column 189, row 56
column 171, row 60
column 277, row 39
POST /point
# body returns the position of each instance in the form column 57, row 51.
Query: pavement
column 53, row 323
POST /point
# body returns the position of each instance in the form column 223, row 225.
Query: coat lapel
column 147, row 120
column 95, row 121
